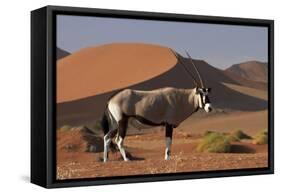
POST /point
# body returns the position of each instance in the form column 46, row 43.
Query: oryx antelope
column 166, row 107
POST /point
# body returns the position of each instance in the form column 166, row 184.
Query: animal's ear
column 209, row 90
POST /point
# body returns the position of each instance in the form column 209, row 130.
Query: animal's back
column 169, row 105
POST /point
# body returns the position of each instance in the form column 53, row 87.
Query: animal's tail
column 105, row 123
column 105, row 127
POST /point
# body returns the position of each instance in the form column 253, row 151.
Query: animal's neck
column 196, row 99
column 192, row 98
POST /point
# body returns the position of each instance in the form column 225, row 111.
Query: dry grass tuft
column 239, row 134
column 214, row 142
column 65, row 128
column 261, row 138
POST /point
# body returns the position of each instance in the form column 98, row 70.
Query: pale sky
column 218, row 44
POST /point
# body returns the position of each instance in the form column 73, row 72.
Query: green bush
column 214, row 142
column 261, row 138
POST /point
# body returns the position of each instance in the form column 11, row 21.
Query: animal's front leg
column 169, row 135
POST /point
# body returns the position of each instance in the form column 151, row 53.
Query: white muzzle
column 208, row 107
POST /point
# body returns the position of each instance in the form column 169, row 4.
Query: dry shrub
column 261, row 138
column 65, row 128
column 214, row 142
column 238, row 135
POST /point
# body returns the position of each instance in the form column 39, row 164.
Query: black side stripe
column 146, row 121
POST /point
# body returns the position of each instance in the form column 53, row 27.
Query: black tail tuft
column 105, row 123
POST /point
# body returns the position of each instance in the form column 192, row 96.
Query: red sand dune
column 97, row 70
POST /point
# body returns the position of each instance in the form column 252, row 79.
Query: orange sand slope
column 261, row 94
column 249, row 122
column 97, row 70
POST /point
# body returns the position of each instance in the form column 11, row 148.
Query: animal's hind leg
column 123, row 124
column 169, row 135
column 107, row 140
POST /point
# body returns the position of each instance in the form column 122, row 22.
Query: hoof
column 167, row 158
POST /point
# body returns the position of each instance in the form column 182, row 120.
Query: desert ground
column 147, row 157
column 146, row 151
column 240, row 103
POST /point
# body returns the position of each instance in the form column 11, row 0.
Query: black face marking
column 203, row 92
column 207, row 100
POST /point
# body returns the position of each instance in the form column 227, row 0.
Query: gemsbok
column 166, row 107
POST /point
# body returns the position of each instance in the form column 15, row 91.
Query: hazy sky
column 219, row 45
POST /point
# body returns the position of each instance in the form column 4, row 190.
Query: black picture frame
column 43, row 95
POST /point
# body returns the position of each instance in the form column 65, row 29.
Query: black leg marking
column 123, row 125
column 169, row 130
column 169, row 135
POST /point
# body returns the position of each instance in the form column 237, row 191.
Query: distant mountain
column 87, row 78
column 61, row 53
column 251, row 70
column 246, row 82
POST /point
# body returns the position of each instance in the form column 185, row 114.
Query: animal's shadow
column 128, row 154
column 133, row 158
column 241, row 149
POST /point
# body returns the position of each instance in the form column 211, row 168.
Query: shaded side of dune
column 61, row 53
column 88, row 110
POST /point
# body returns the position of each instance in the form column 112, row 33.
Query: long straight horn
column 201, row 82
column 186, row 70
